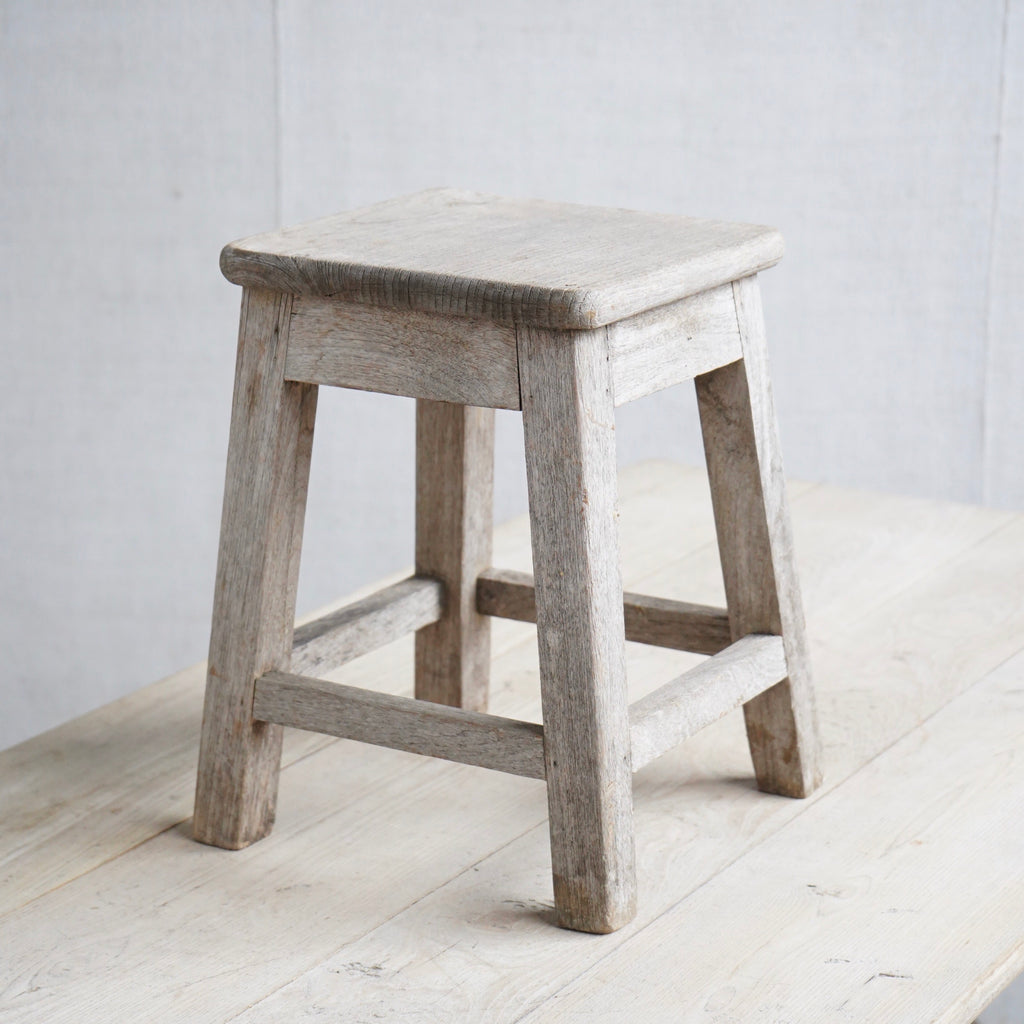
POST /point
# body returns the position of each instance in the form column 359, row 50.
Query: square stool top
column 527, row 261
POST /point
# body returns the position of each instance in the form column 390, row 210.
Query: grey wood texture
column 403, row 352
column 402, row 723
column 454, row 525
column 568, row 423
column 702, row 695
column 665, row 346
column 388, row 870
column 257, row 574
column 817, row 906
column 524, row 261
column 661, row 621
column 363, row 626
column 748, row 493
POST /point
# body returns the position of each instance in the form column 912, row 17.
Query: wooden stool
column 469, row 303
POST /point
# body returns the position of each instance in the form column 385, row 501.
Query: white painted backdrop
column 885, row 138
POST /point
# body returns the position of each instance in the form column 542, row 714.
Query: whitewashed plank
column 897, row 660
column 897, row 897
column 200, row 910
column 209, row 936
column 918, row 535
column 524, row 261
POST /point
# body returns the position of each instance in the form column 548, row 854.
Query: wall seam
column 275, row 11
column 986, row 440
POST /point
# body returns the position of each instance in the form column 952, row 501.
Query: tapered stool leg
column 257, row 573
column 755, row 541
column 570, row 459
column 454, row 525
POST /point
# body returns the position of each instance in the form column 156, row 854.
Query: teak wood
column 681, row 708
column 514, row 261
column 568, row 425
column 748, row 493
column 402, row 723
column 454, row 521
column 468, row 303
column 658, row 621
column 363, row 626
column 269, row 449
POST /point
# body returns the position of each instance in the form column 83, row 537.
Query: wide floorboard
column 397, row 887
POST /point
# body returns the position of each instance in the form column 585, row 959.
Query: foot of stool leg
column 257, row 573
column 454, row 525
column 755, row 542
column 568, row 420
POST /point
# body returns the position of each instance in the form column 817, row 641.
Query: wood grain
column 66, row 810
column 568, row 423
column 670, row 344
column 828, row 915
column 679, row 709
column 661, row 621
column 885, row 660
column 362, row 626
column 416, row 354
column 269, row 449
column 748, row 492
column 454, row 527
column 402, row 723
column 909, row 601
column 517, row 261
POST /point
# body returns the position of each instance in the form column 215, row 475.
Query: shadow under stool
column 468, row 303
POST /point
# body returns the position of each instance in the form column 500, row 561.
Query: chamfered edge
column 505, row 302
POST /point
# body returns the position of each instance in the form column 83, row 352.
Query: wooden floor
column 401, row 888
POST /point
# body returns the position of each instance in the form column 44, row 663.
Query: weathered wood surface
column 850, row 894
column 269, row 449
column 366, row 624
column 673, row 343
column 679, row 709
column 569, row 432
column 680, row 625
column 401, row 723
column 522, row 261
column 454, row 529
column 755, row 540
column 419, row 355
column 387, row 870
column 56, row 787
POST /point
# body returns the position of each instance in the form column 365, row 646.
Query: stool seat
column 541, row 264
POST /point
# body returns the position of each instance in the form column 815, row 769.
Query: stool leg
column 257, row 573
column 754, row 538
column 568, row 420
column 454, row 524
